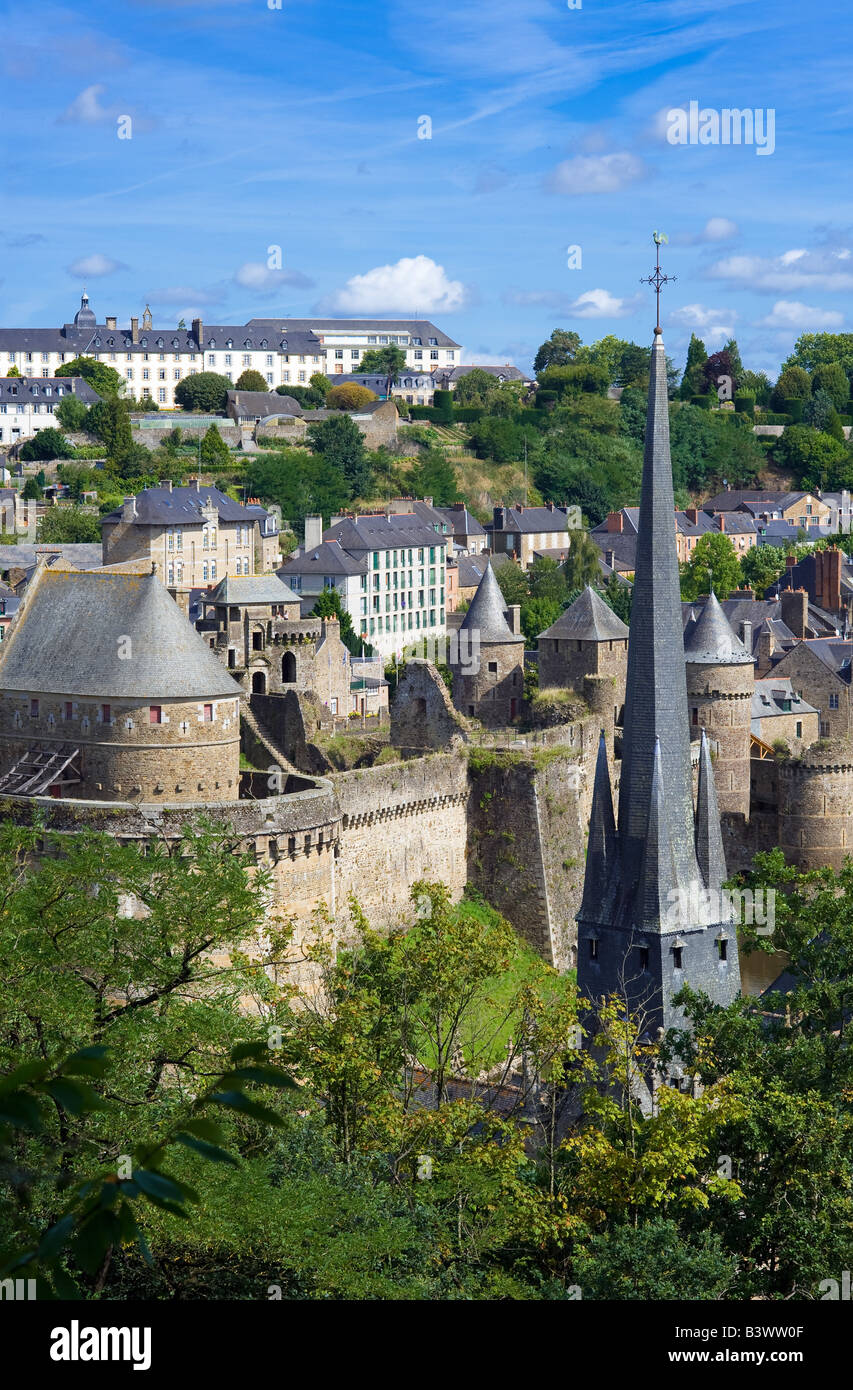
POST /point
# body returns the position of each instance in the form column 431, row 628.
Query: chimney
column 128, row 511
column 198, row 332
column 692, row 514
column 746, row 634
column 765, row 650
column 790, row 561
column 743, row 592
column 428, row 501
column 610, row 559
column 193, row 484
column 550, row 506
column 794, row 610
column 614, row 521
column 513, row 617
column 134, row 330
column 111, row 321
column 499, row 518
column 313, row 532
column 722, row 520
column 828, row 580
column 166, row 484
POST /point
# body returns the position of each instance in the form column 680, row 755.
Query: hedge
column 703, row 402
column 773, row 417
column 745, row 404
column 794, row 408
column 463, row 413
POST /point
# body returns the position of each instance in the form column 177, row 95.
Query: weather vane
column 658, row 279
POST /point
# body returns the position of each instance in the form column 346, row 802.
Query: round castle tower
column 488, row 672
column 107, row 693
column 816, row 805
column 720, row 684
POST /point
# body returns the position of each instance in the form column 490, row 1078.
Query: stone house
column 819, row 672
column 521, row 531
column 779, row 713
column 193, row 536
column 488, row 665
column 282, row 418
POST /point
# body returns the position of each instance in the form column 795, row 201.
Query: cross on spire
column 658, row 278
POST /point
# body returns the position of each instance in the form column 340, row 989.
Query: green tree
column 13, row 371
column 476, row 388
column 618, row 594
column 501, row 440
column 582, row 564
column 693, row 380
column 832, row 379
column 306, row 396
column 301, row 483
column 558, row 351
column 388, row 361
column 434, row 475
column 793, row 384
column 103, row 379
column 46, row 444
column 815, row 459
column 546, row 580
column 714, row 561
column 633, row 408
column 329, row 605
column 821, row 414
column 731, row 347
column 761, row 566
column 68, row 525
column 205, row 392
column 72, row 414
column 574, row 378
column 341, row 443
column 109, row 421
column 319, row 384
column 813, row 350
column 756, row 384
column 250, row 380
column 654, row 1261
column 537, row 614
column 213, row 449
column 512, row 583
column 31, row 491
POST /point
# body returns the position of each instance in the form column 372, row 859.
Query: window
column 593, row 947
column 161, row 395
column 833, row 702
column 493, row 667
column 799, row 733
column 433, row 356
column 34, row 709
column 677, row 954
column 208, row 714
column 695, row 711
column 723, row 948
column 68, row 710
column 824, row 729
column 155, row 714
column 644, row 957
column 105, row 714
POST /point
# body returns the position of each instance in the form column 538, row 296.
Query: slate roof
column 508, row 372
column 461, row 521
column 21, row 390
column 624, row 548
column 588, row 619
column 23, row 556
column 328, row 558
column 836, row 653
column 183, row 506
column 711, row 641
column 260, row 588
column 67, row 638
column 768, row 698
column 532, row 520
column 415, row 328
column 730, row 500
column 487, row 613
column 381, row 532
column 261, row 403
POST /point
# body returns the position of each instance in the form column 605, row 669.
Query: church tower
column 651, row 920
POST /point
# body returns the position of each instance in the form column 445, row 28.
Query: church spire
column 709, row 839
column 656, row 693
column 602, row 861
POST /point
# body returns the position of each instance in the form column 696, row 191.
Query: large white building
column 389, row 571
column 287, row 352
column 27, row 404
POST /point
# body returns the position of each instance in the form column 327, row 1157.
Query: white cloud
column 790, row 314
column 718, row 229
column 414, row 284
column 605, row 173
column 183, row 295
column 254, row 275
column 793, row 270
column 601, row 304
column 710, row 323
column 86, row 109
column 92, row 267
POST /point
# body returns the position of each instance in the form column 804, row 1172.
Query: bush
column 465, row 414
column 745, row 404
column 794, row 406
column 72, row 413
column 250, row 381
column 349, row 396
column 443, row 402
column 546, row 399
column 703, row 402
column 773, row 417
column 47, row 444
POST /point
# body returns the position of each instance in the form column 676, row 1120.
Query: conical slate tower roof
column 487, row 614
column 712, row 642
column 601, row 880
column 108, row 634
column 588, row 619
column 656, row 689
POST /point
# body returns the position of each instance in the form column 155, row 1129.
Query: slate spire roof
column 602, row 864
column 108, row 634
column 487, row 614
column 656, row 691
column 712, row 642
column 588, row 619
column 709, row 839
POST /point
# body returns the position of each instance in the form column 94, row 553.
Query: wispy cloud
column 606, row 173
column 802, row 318
column 93, row 267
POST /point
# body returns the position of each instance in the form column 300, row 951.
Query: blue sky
column 298, row 128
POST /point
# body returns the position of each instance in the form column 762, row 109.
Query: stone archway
column 288, row 668
column 259, row 682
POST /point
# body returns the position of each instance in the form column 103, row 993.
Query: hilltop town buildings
column 152, row 361
column 27, row 403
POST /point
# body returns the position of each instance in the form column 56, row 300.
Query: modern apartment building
column 390, row 572
column 152, row 361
